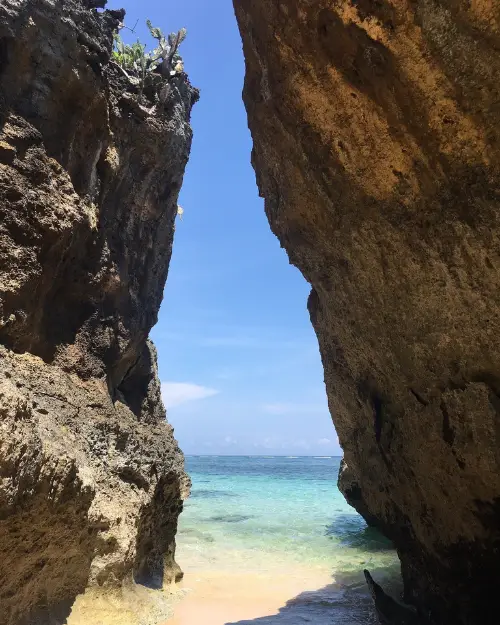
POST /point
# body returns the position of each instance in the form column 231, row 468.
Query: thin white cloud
column 247, row 342
column 277, row 408
column 217, row 336
column 272, row 442
column 227, row 373
column 283, row 408
column 177, row 393
column 301, row 444
column 324, row 441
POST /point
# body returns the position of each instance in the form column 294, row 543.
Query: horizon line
column 257, row 456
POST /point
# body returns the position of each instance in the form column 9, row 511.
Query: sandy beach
column 220, row 597
column 261, row 542
column 265, row 536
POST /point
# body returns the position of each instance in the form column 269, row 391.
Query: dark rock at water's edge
column 91, row 478
column 389, row 611
column 351, row 490
column 376, row 132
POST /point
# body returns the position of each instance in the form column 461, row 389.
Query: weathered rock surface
column 91, row 477
column 376, row 145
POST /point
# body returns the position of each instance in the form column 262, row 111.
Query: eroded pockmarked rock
column 376, row 146
column 91, row 477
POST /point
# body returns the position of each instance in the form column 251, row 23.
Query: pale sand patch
column 130, row 605
column 219, row 587
column 220, row 597
column 204, row 597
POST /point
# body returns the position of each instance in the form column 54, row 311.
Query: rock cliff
column 91, row 478
column 376, row 128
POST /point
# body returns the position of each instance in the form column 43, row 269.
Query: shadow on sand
column 345, row 602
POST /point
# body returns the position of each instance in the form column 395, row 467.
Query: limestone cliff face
column 91, row 477
column 376, row 129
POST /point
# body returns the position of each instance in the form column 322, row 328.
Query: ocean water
column 275, row 515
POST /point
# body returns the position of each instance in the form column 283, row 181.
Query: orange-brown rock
column 376, row 128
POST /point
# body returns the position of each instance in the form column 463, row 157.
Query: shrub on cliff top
column 136, row 63
column 167, row 49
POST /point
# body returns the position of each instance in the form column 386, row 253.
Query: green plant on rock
column 167, row 49
column 137, row 64
column 128, row 56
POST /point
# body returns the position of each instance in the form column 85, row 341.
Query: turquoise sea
column 275, row 515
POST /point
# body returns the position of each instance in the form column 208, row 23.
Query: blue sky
column 238, row 357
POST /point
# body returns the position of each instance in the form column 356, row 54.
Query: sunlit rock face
column 91, row 477
column 376, row 147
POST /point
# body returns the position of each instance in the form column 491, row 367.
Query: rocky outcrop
column 376, row 146
column 91, row 477
column 389, row 611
